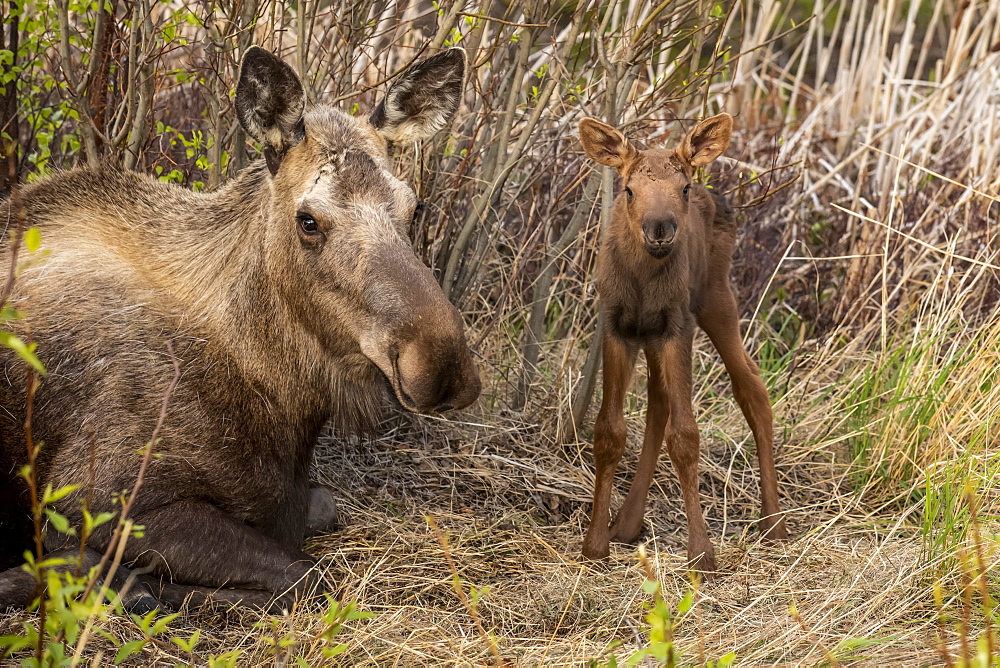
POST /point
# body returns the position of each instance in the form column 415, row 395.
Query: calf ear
column 270, row 103
column 707, row 140
column 423, row 99
column 605, row 144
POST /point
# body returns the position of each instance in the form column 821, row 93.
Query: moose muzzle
column 659, row 233
column 419, row 343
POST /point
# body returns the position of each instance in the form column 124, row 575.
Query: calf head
column 657, row 182
column 336, row 241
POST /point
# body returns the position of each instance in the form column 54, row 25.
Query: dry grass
column 871, row 289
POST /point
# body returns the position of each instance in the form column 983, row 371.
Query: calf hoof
column 772, row 529
column 323, row 514
column 626, row 534
column 703, row 563
column 595, row 550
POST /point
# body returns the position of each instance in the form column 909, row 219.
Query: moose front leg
column 609, row 441
column 721, row 323
column 628, row 524
column 323, row 514
column 197, row 545
column 684, row 445
column 18, row 587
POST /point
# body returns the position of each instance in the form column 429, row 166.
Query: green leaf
column 187, row 645
column 162, row 623
column 32, row 239
column 24, row 351
column 50, row 497
column 330, row 652
column 60, row 522
column 685, row 603
column 11, row 644
column 128, row 649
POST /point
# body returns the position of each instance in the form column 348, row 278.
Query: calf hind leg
column 721, row 322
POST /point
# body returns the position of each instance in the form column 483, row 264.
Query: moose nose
column 435, row 381
column 659, row 230
column 436, row 374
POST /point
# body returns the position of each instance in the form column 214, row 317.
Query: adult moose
column 663, row 266
column 291, row 297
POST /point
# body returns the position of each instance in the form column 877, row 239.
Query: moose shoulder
column 291, row 297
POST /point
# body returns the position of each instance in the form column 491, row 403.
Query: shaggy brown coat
column 291, row 297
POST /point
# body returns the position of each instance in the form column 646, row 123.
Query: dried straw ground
column 511, row 505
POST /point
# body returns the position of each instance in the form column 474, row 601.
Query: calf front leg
column 629, row 523
column 195, row 543
column 683, row 445
column 609, row 441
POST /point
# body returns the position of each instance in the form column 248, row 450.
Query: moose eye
column 417, row 210
column 686, row 192
column 628, row 192
column 307, row 223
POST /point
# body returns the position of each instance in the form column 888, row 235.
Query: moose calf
column 291, row 296
column 663, row 266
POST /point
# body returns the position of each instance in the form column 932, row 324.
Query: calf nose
column 659, row 230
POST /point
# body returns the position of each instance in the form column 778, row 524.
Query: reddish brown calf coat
column 664, row 266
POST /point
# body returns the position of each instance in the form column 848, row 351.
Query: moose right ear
column 422, row 100
column 269, row 104
column 605, row 144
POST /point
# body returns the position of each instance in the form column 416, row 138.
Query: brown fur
column 664, row 266
column 277, row 330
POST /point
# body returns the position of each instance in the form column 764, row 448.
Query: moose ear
column 707, row 140
column 423, row 99
column 605, row 144
column 269, row 104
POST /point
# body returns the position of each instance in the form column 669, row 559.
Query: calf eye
column 686, row 192
column 628, row 192
column 307, row 223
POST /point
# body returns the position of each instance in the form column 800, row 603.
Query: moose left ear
column 423, row 99
column 269, row 104
column 707, row 140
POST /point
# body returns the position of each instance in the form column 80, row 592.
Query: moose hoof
column 323, row 514
column 772, row 530
column 628, row 535
column 138, row 598
column 142, row 605
column 595, row 550
column 703, row 564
